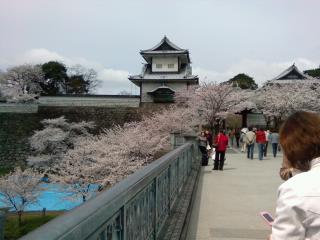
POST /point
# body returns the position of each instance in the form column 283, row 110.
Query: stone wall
column 16, row 128
column 18, row 108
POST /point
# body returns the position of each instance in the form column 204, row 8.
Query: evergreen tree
column 56, row 78
column 243, row 81
column 313, row 72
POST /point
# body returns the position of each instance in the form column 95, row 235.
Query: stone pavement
column 227, row 203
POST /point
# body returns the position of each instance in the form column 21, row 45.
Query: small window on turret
column 171, row 65
column 158, row 65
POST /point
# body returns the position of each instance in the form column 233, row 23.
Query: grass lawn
column 30, row 221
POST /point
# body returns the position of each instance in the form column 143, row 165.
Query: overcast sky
column 225, row 37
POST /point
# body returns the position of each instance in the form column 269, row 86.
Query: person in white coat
column 298, row 205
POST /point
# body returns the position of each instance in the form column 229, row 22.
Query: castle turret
column 167, row 69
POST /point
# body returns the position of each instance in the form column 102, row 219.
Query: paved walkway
column 228, row 202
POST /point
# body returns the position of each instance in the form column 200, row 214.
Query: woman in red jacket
column 261, row 141
column 221, row 143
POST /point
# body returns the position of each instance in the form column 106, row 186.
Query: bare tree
column 87, row 77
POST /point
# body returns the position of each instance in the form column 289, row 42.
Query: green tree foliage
column 82, row 80
column 56, row 78
column 243, row 81
column 77, row 85
column 313, row 72
column 62, row 80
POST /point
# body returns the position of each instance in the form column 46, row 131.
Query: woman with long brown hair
column 298, row 205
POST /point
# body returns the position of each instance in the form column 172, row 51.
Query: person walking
column 221, row 147
column 202, row 143
column 250, row 138
column 209, row 138
column 298, row 209
column 274, row 140
column 237, row 135
column 261, row 140
column 210, row 149
column 242, row 139
column 232, row 137
column 267, row 142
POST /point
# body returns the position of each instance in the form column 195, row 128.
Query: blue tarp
column 55, row 198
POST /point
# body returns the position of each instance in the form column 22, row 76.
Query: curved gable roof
column 292, row 71
column 164, row 45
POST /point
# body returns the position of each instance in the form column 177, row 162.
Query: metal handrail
column 144, row 199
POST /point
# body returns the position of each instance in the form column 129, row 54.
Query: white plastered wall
column 149, row 86
column 164, row 61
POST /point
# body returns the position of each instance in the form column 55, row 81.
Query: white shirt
column 267, row 133
column 298, row 206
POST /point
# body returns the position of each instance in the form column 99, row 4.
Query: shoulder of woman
column 289, row 194
column 299, row 185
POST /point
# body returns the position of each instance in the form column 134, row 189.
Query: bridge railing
column 134, row 209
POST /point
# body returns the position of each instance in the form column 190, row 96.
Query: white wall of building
column 149, row 86
column 165, row 64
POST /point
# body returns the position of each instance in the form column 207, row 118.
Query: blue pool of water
column 55, row 197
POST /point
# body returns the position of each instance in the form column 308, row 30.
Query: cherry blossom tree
column 51, row 143
column 50, row 146
column 19, row 189
column 81, row 160
column 279, row 101
column 22, row 83
column 214, row 101
column 109, row 157
column 79, row 173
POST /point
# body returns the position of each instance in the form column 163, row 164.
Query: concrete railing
column 137, row 208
